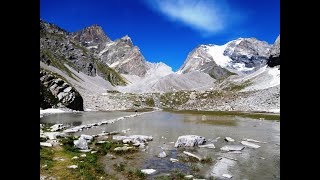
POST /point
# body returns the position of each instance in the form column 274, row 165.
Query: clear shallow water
column 166, row 127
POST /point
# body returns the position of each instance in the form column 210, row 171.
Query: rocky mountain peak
column 92, row 37
column 46, row 27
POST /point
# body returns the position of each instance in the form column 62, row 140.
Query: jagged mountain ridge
column 58, row 47
column 120, row 54
column 243, row 55
column 69, row 55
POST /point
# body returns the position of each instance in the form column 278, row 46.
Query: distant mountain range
column 87, row 58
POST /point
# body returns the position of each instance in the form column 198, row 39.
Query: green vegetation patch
column 252, row 115
column 111, row 75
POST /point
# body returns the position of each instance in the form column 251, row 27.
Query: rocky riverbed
column 157, row 144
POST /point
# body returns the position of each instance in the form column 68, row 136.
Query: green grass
column 46, row 157
column 238, row 87
column 252, row 115
column 58, row 63
column 89, row 168
column 175, row 98
column 149, row 102
column 110, row 74
column 218, row 122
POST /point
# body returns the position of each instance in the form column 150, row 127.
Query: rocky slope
column 234, row 76
column 54, row 91
column 243, row 55
column 58, row 48
column 274, row 54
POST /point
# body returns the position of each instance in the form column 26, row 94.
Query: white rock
column 210, row 146
column 189, row 140
column 86, row 137
column 232, row 148
column 227, row 176
column 124, row 148
column 253, row 140
column 85, row 150
column 52, row 135
column 229, row 139
column 46, row 144
column 162, row 154
column 101, row 142
column 57, row 127
column 81, row 143
column 93, row 152
column 249, row 144
column 188, row 176
column 192, row 155
column 148, row 171
column 173, row 160
column 72, row 167
column 83, row 155
column 75, row 157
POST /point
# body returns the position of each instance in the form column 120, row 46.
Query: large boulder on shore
column 54, row 91
column 189, row 140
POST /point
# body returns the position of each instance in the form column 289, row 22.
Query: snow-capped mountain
column 243, row 55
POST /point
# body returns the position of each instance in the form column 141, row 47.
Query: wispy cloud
column 205, row 16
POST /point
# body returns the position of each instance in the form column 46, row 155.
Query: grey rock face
column 92, row 36
column 274, row 54
column 120, row 54
column 250, row 51
column 61, row 90
column 59, row 47
column 124, row 57
column 203, row 61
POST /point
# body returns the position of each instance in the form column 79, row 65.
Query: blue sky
column 167, row 30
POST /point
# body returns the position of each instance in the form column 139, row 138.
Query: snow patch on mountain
column 263, row 78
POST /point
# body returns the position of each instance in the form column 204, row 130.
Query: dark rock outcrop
column 274, row 54
column 54, row 90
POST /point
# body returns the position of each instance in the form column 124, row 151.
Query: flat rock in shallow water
column 229, row 139
column 173, row 160
column 57, row 127
column 148, row 171
column 227, row 176
column 253, row 140
column 190, row 141
column 232, row 148
column 249, row 144
column 210, row 146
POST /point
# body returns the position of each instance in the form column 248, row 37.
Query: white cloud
column 208, row 17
